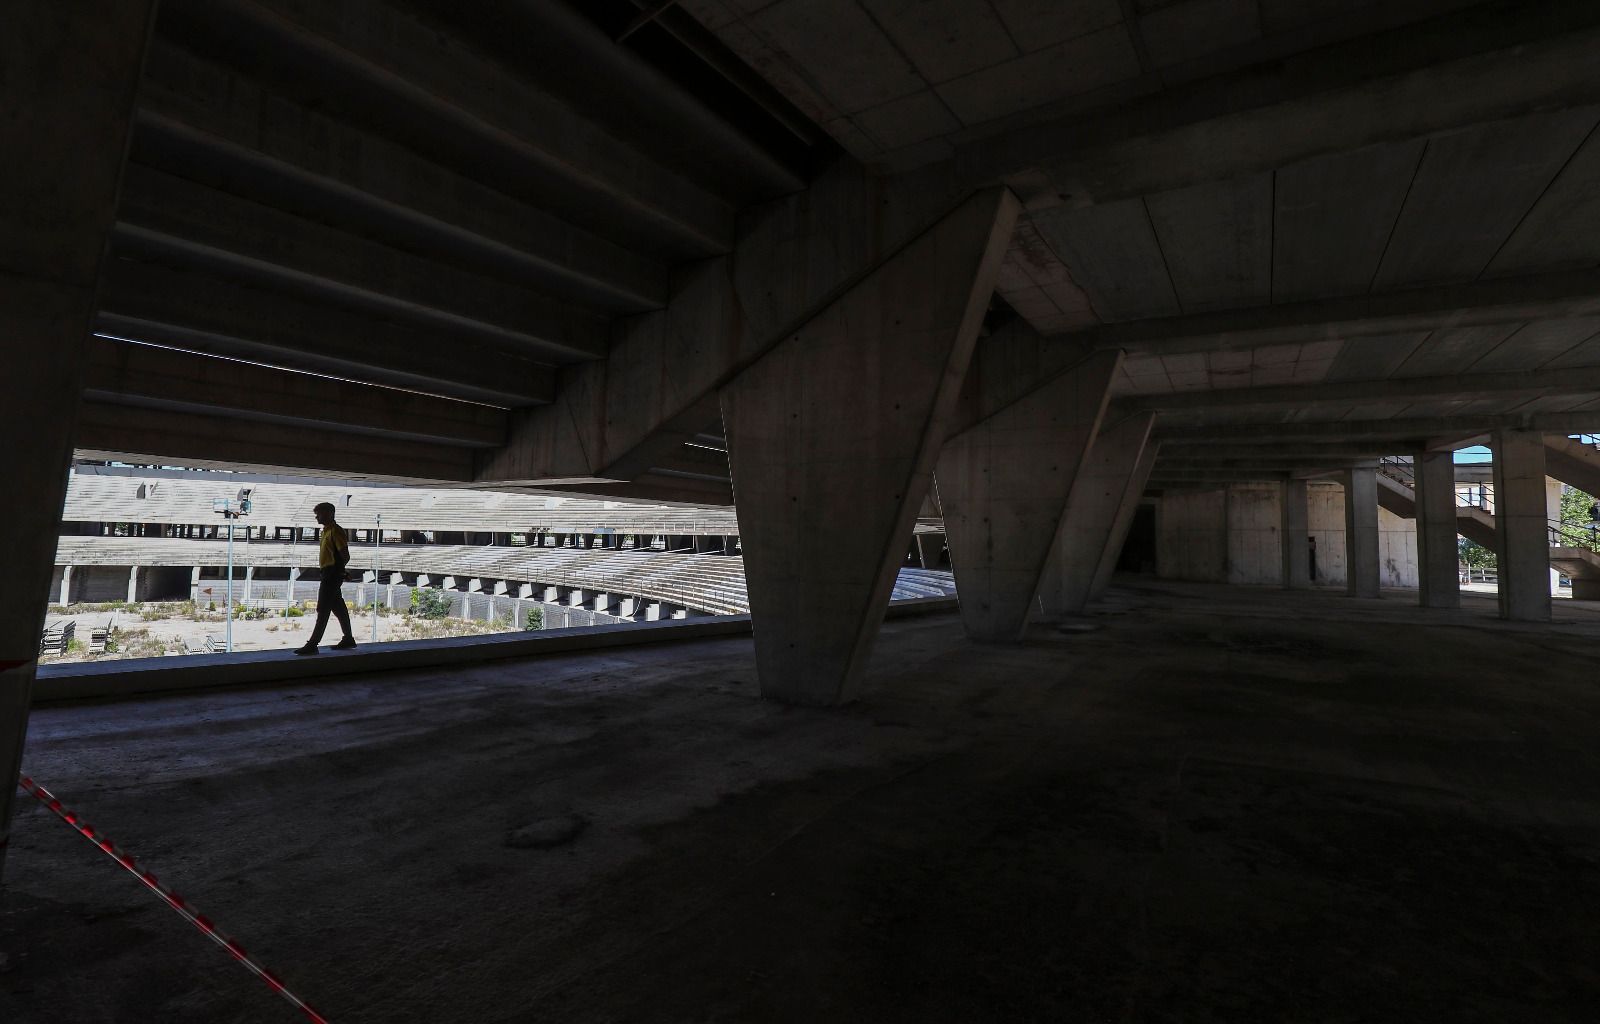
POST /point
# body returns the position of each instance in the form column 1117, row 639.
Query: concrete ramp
column 1572, row 462
column 1472, row 523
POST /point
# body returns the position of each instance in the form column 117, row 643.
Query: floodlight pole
column 377, row 573
column 230, row 582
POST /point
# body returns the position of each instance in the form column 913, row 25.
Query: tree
column 1577, row 514
column 1475, row 555
column 535, row 619
column 428, row 603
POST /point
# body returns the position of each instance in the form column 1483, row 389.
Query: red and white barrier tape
column 172, row 899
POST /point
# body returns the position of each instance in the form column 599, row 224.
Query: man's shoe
column 347, row 644
column 307, row 649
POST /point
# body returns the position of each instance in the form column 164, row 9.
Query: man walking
column 334, row 556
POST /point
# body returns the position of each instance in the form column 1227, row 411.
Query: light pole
column 231, row 511
column 377, row 574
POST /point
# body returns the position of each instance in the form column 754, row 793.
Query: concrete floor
column 1224, row 804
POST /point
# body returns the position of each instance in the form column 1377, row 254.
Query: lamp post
column 377, row 574
column 232, row 509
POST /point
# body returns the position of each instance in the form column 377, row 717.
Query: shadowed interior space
column 1202, row 803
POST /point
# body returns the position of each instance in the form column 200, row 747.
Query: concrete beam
column 204, row 313
column 173, row 219
column 141, row 375
column 1464, row 67
column 1004, row 485
column 1398, row 432
column 1500, row 300
column 71, row 74
column 160, row 436
column 430, row 91
column 658, row 386
column 263, row 145
column 827, row 502
column 1567, row 381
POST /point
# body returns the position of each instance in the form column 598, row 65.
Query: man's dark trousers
column 330, row 598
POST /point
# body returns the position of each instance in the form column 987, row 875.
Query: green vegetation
column 427, row 603
column 1475, row 555
column 534, row 619
column 1577, row 519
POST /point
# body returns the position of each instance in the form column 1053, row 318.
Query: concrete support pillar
column 194, row 585
column 1293, row 531
column 133, row 584
column 652, row 612
column 1439, row 582
column 929, row 547
column 627, row 607
column 897, row 343
column 1361, row 532
column 1520, row 518
column 551, row 595
column 1124, row 521
column 601, row 602
column 575, row 598
column 249, row 582
column 65, row 596
column 1107, row 483
column 730, row 545
column 71, row 71
column 1004, row 485
column 1552, row 504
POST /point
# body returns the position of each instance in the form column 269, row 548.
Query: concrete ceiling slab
column 1112, row 252
column 945, row 39
column 852, row 62
column 1068, row 68
column 1180, row 32
column 1453, row 349
column 1332, row 217
column 1470, row 192
column 1037, row 24
column 1563, row 228
column 1217, row 240
column 1537, row 344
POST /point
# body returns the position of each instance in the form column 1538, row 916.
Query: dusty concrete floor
column 1224, row 805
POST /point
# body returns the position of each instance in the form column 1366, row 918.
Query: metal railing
column 1574, row 535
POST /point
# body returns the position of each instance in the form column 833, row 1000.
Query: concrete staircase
column 1582, row 566
column 1472, row 523
column 1574, row 463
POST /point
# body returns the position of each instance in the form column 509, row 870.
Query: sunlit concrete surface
column 1202, row 803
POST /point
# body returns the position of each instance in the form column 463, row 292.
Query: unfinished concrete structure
column 816, row 258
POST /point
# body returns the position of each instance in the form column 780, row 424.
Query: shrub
column 295, row 611
column 429, row 603
column 534, row 619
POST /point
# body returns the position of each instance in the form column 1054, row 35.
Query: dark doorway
column 1139, row 550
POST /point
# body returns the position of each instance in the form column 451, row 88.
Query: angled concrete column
column 1438, row 579
column 1293, row 530
column 1108, row 486
column 1124, row 523
column 833, row 434
column 1520, row 519
column 1003, row 486
column 1361, row 532
column 929, row 547
column 70, row 74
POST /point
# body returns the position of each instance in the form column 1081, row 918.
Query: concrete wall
column 1231, row 535
column 1398, row 562
column 1191, row 536
column 1255, row 514
column 1325, row 525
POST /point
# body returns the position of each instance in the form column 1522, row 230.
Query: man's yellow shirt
column 333, row 538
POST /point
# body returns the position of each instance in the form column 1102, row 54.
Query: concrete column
column 601, row 601
column 71, row 71
column 1361, row 532
column 1520, row 519
column 652, row 612
column 1552, row 504
column 1004, row 485
column 1292, row 533
column 133, row 584
column 194, row 585
column 896, row 345
column 1088, row 538
column 929, row 547
column 249, row 582
column 65, row 596
column 575, row 598
column 1439, row 582
column 1124, row 522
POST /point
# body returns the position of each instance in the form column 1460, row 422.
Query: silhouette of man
column 334, row 555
